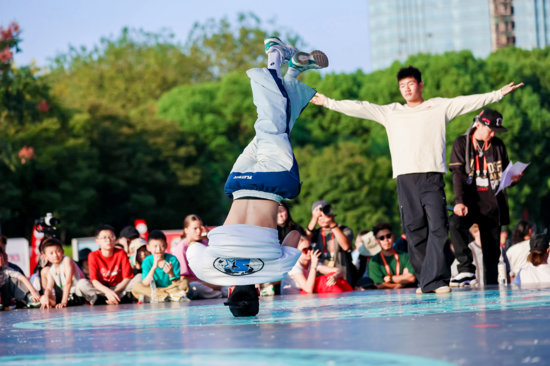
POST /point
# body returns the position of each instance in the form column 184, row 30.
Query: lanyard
column 485, row 148
column 325, row 243
column 397, row 266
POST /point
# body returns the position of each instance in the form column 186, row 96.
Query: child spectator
column 303, row 279
column 141, row 254
column 537, row 270
column 163, row 269
column 64, row 277
column 131, row 240
column 110, row 270
column 83, row 261
column 193, row 232
column 15, row 286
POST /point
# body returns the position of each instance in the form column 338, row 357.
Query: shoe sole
column 303, row 59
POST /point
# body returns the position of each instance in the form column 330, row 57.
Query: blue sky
column 340, row 28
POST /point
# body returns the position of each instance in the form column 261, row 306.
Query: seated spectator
column 523, row 231
column 15, row 287
column 285, row 224
column 193, row 231
column 141, row 254
column 83, row 261
column 303, row 279
column 110, row 270
column 3, row 244
column 332, row 240
column 537, row 271
column 401, row 244
column 504, row 238
column 365, row 248
column 131, row 240
column 390, row 269
column 478, row 277
column 65, row 283
column 519, row 250
column 163, row 269
column 466, row 279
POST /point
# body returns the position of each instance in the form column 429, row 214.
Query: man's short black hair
column 102, row 227
column 244, row 301
column 156, row 234
column 381, row 226
column 409, row 71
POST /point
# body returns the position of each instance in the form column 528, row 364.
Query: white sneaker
column 463, row 279
column 275, row 43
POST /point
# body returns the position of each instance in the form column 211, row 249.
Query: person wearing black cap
column 537, row 270
column 478, row 159
column 416, row 136
column 246, row 249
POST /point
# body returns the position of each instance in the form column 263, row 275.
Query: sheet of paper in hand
column 511, row 170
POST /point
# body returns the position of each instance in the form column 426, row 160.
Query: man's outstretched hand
column 509, row 88
column 318, row 99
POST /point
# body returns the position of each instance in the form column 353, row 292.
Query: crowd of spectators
column 130, row 269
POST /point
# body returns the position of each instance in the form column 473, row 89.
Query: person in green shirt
column 163, row 269
column 390, row 269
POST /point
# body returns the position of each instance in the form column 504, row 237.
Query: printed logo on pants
column 238, row 266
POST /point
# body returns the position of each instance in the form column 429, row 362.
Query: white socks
column 274, row 61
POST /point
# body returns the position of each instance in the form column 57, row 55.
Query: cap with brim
column 370, row 247
column 243, row 301
column 539, row 242
column 491, row 119
column 320, row 203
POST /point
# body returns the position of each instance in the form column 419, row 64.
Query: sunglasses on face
column 382, row 237
column 305, row 250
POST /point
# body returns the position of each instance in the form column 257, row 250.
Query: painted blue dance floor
column 467, row 327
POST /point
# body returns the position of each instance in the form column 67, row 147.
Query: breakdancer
column 246, row 250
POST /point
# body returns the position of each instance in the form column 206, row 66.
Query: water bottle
column 154, row 299
column 502, row 278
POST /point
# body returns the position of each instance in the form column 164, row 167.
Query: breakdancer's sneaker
column 303, row 61
column 463, row 279
column 275, row 43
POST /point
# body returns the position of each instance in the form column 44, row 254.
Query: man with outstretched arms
column 416, row 135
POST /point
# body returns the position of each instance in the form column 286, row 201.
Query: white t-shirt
column 531, row 275
column 517, row 256
column 416, row 135
column 241, row 255
column 289, row 286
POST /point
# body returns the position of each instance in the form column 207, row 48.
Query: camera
column 47, row 225
column 327, row 210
